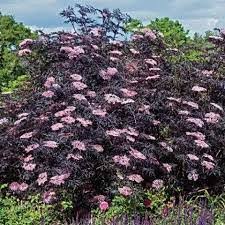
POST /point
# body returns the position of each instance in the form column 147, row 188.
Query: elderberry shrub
column 108, row 115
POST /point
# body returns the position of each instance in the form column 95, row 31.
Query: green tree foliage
column 11, row 71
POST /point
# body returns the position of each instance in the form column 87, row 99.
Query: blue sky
column 195, row 15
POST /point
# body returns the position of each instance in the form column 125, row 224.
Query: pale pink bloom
column 72, row 52
column 155, row 69
column 95, row 47
column 26, row 42
column 114, row 59
column 104, row 206
column 68, row 119
column 22, row 115
column 3, row 121
column 125, row 191
column 135, row 52
column 178, row 100
column 50, row 144
column 157, row 184
column 217, row 106
column 61, row 113
column 24, row 52
column 109, row 73
column 135, row 177
column 193, row 175
column 201, row 143
column 20, row 120
column 149, row 33
column 156, row 122
column 183, row 112
column 32, row 147
column 15, row 186
column 215, row 39
column 70, row 109
column 145, row 109
column 166, row 146
column 48, row 94
column 122, row 160
column 198, row 122
column 42, row 178
column 136, row 154
column 151, row 62
column 48, row 196
column 129, row 138
column 76, row 77
column 116, row 52
column 168, row 167
column 111, row 98
column 114, row 132
column 99, row 112
column 208, row 156
column 128, row 93
column 198, row 89
column 84, row 122
column 79, row 145
column 74, row 157
column 212, row 117
column 208, row 165
column 197, row 135
column 192, row 104
column 192, row 157
column 149, row 137
column 127, row 101
column 152, row 77
column 131, row 131
column 59, row 179
column 91, row 94
column 29, row 166
column 116, row 42
column 207, row 73
column 79, row 85
column 28, row 158
column 137, row 37
column 80, row 97
column 57, row 126
column 49, row 82
column 27, row 135
column 98, row 148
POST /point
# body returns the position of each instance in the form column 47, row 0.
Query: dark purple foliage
column 102, row 110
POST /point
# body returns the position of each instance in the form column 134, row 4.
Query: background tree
column 11, row 71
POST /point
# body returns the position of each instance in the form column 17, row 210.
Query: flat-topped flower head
column 136, row 154
column 79, row 145
column 135, row 177
column 42, row 178
column 48, row 94
column 212, row 117
column 198, row 122
column 59, row 179
column 27, row 135
column 57, row 126
column 50, row 144
column 84, row 122
column 158, row 184
column 122, row 160
column 125, row 191
column 199, row 89
column 79, row 85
